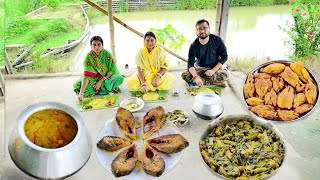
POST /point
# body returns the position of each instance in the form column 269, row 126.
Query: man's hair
column 149, row 33
column 202, row 21
column 96, row 38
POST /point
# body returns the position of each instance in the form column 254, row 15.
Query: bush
column 51, row 3
column 21, row 7
column 169, row 36
column 304, row 33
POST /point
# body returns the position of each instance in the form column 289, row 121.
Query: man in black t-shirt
column 206, row 56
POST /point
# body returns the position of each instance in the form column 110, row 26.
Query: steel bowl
column 285, row 62
column 234, row 119
column 207, row 106
column 44, row 163
column 133, row 100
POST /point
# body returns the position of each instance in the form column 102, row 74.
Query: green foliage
column 123, row 7
column 21, row 7
column 169, row 36
column 197, row 4
column 1, row 33
column 210, row 4
column 18, row 29
column 47, row 65
column 51, row 3
column 304, row 32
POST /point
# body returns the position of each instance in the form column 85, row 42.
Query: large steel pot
column 207, row 106
column 46, row 163
column 287, row 63
column 231, row 119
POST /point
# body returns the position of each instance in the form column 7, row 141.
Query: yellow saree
column 150, row 64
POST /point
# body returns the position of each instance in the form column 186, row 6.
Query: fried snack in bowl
column 274, row 91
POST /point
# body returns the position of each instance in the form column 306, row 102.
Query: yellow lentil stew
column 50, row 128
column 242, row 150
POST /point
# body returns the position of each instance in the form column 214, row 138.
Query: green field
column 2, row 32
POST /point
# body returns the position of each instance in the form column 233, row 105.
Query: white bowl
column 129, row 104
column 177, row 119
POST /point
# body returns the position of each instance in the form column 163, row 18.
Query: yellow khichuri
column 151, row 96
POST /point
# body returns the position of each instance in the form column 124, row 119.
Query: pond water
column 252, row 32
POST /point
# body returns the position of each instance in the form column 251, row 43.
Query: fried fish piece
column 271, row 98
column 299, row 99
column 126, row 123
column 287, row 115
column 274, row 68
column 113, row 143
column 249, row 86
column 300, row 70
column 151, row 161
column 156, row 115
column 262, row 86
column 169, row 144
column 125, row 162
column 311, row 92
column 286, row 97
column 289, row 76
column 254, row 101
column 303, row 108
column 265, row 111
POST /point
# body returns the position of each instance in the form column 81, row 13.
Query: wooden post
column 111, row 29
column 222, row 18
column 218, row 17
column 8, row 63
column 131, row 29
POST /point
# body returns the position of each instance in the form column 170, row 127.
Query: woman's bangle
column 159, row 75
column 105, row 78
column 81, row 93
column 143, row 84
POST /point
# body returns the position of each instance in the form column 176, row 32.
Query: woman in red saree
column 101, row 74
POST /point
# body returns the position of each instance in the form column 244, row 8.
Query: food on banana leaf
column 150, row 96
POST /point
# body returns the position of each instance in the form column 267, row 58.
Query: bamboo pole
column 2, row 84
column 24, row 64
column 111, row 29
column 131, row 29
column 15, row 62
column 8, row 63
column 218, row 17
column 222, row 18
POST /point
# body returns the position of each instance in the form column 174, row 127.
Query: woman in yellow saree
column 152, row 68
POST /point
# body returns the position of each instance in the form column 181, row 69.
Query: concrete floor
column 301, row 137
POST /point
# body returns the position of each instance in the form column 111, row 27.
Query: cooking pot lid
column 208, row 98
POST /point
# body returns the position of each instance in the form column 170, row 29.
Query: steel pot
column 230, row 119
column 287, row 63
column 46, row 163
column 207, row 106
